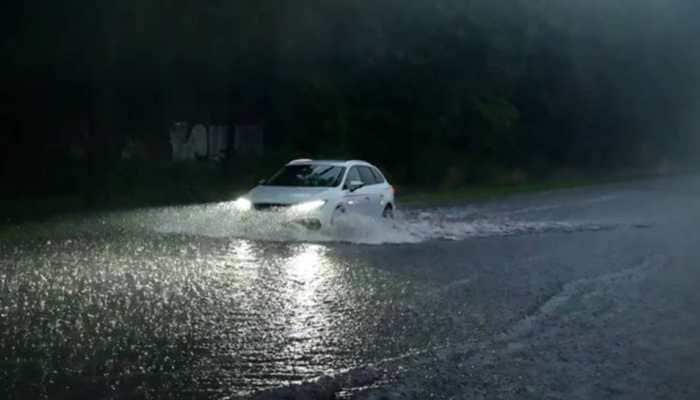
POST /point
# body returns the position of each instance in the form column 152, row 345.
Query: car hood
column 286, row 194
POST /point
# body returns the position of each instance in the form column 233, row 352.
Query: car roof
column 340, row 163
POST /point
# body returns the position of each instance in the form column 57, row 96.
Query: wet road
column 585, row 293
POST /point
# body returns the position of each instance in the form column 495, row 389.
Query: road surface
column 589, row 293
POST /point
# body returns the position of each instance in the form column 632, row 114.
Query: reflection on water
column 291, row 316
column 194, row 301
column 305, row 273
column 242, row 251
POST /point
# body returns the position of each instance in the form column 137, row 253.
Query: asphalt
column 585, row 293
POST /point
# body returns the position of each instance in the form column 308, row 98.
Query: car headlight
column 242, row 204
column 307, row 206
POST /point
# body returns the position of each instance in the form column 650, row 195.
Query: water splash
column 412, row 226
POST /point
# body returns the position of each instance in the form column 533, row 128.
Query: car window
column 308, row 175
column 378, row 177
column 367, row 176
column 353, row 175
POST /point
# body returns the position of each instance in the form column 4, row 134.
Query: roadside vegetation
column 442, row 95
column 198, row 183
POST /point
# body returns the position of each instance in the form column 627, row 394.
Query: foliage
column 436, row 92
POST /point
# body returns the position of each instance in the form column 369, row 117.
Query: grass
column 565, row 179
column 418, row 196
column 130, row 188
column 485, row 191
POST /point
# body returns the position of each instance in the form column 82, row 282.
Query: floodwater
column 587, row 293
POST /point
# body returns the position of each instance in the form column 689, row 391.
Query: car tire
column 388, row 212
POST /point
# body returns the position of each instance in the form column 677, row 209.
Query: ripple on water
column 190, row 300
column 144, row 314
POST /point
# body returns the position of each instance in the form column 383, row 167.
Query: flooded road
column 585, row 293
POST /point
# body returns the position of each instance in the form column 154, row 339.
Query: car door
column 382, row 187
column 372, row 191
column 356, row 201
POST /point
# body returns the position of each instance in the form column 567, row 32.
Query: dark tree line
column 455, row 90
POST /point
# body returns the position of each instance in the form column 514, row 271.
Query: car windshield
column 309, row 175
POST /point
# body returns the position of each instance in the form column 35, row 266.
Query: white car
column 315, row 193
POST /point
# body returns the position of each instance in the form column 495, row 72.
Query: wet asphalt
column 588, row 293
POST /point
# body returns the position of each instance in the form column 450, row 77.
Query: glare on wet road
column 225, row 316
column 195, row 301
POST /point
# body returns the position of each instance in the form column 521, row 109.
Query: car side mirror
column 354, row 185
